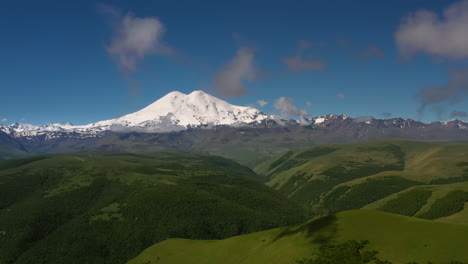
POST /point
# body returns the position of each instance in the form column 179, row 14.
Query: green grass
column 398, row 239
column 310, row 176
column 108, row 207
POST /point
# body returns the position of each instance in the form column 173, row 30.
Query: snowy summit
column 174, row 111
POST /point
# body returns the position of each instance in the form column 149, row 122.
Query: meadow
column 355, row 237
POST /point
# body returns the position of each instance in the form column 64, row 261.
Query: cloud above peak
column 230, row 79
column 262, row 103
column 446, row 36
column 287, row 108
column 133, row 39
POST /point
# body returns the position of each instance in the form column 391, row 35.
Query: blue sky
column 56, row 64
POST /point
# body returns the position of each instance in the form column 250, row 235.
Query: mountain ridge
column 177, row 111
column 201, row 123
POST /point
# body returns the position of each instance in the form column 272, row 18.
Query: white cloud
column 134, row 38
column 287, row 107
column 229, row 81
column 4, row 119
column 262, row 102
column 340, row 96
column 425, row 31
column 309, row 103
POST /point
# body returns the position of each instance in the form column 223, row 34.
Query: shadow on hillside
column 317, row 231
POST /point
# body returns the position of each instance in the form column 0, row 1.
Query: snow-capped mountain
column 177, row 111
column 197, row 118
column 174, row 111
column 184, row 110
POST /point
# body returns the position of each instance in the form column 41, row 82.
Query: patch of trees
column 407, row 203
column 450, row 204
column 358, row 195
column 349, row 252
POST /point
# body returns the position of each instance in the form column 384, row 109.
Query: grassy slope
column 107, row 207
column 437, row 192
column 424, row 161
column 399, row 239
column 309, row 175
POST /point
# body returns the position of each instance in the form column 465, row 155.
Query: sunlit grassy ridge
column 108, row 207
column 333, row 178
column 398, row 239
column 444, row 202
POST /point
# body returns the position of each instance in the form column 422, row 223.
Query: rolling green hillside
column 108, row 207
column 333, row 178
column 398, row 239
column 438, row 202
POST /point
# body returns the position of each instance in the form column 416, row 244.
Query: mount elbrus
column 199, row 122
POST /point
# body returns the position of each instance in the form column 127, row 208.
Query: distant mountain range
column 200, row 122
column 177, row 111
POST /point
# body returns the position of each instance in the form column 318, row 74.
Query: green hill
column 398, row 239
column 108, row 207
column 334, row 178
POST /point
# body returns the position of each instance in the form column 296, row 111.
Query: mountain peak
column 174, row 93
column 198, row 92
column 178, row 111
column 184, row 110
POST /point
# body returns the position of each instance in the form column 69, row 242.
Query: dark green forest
column 118, row 212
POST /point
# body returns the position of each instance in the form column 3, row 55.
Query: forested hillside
column 108, row 207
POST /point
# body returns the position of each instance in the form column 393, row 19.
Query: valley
column 401, row 196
